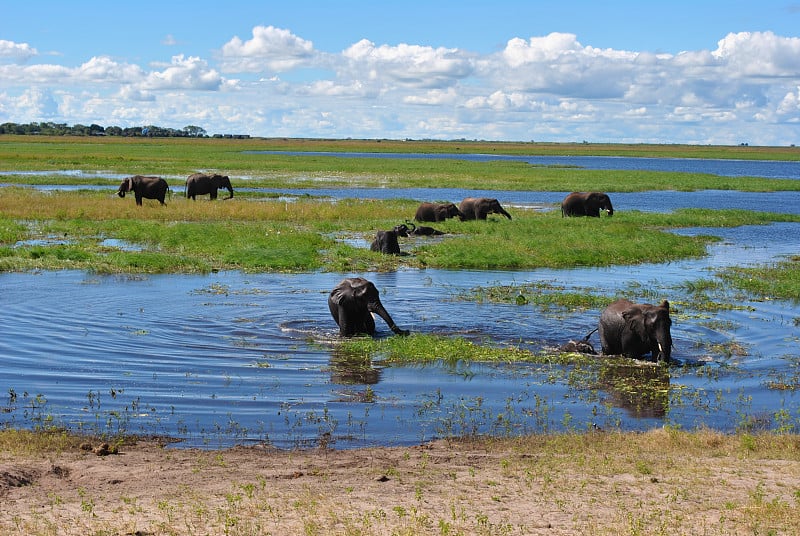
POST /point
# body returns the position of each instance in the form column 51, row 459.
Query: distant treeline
column 62, row 129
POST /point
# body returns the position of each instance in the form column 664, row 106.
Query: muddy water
column 232, row 358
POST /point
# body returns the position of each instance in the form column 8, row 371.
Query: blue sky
column 719, row 72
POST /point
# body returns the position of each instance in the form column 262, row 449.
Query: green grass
column 67, row 230
column 426, row 348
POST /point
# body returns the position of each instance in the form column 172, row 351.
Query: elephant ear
column 361, row 289
column 634, row 321
column 340, row 292
column 656, row 314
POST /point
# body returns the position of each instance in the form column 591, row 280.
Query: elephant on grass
column 144, row 187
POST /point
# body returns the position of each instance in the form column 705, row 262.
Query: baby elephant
column 633, row 330
column 141, row 186
column 386, row 241
column 419, row 230
column 582, row 346
column 352, row 303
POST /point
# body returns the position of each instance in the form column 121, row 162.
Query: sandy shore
column 653, row 483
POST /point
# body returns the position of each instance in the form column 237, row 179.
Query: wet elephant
column 386, row 241
column 586, row 204
column 144, row 187
column 633, row 330
column 352, row 303
column 477, row 208
column 436, row 212
column 207, row 183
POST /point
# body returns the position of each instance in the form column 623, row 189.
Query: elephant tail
column 586, row 338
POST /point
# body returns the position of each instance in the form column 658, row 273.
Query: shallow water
column 232, row 358
column 775, row 169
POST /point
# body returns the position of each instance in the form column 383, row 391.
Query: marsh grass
column 427, row 348
column 779, row 280
column 55, row 230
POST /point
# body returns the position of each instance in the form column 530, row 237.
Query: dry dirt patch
column 654, row 483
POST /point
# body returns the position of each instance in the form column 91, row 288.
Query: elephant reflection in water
column 640, row 389
column 352, row 369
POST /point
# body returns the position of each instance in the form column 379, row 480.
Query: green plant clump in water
column 419, row 348
column 776, row 281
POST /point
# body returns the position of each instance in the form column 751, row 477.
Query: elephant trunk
column 377, row 308
column 230, row 189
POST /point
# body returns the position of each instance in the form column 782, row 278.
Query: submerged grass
column 775, row 281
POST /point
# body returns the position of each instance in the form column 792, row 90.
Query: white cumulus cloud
column 16, row 52
column 410, row 65
column 759, row 54
column 185, row 73
column 270, row 49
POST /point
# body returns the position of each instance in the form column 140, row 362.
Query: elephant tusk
column 660, row 349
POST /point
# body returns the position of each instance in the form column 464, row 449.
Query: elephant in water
column 633, row 330
column 386, row 241
column 352, row 303
column 143, row 186
column 477, row 208
column 437, row 212
column 207, row 183
column 586, row 204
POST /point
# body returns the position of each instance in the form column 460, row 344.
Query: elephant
column 633, row 330
column 422, row 230
column 386, row 241
column 142, row 186
column 352, row 303
column 586, row 204
column 437, row 212
column 582, row 346
column 207, row 183
column 477, row 208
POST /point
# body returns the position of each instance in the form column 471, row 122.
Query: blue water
column 231, row 358
column 774, row 169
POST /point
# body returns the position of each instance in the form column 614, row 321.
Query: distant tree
column 62, row 129
column 194, row 131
